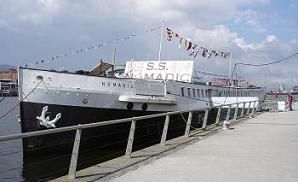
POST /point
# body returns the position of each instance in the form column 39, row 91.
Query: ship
column 52, row 99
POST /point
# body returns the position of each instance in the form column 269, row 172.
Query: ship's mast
column 230, row 70
column 114, row 60
column 160, row 42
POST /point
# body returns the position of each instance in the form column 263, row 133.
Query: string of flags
column 194, row 49
column 96, row 46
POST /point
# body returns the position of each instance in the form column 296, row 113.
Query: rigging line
column 5, row 114
column 266, row 64
column 186, row 122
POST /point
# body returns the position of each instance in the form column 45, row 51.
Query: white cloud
column 43, row 12
column 172, row 11
column 209, row 23
column 240, row 42
column 218, row 37
column 252, row 19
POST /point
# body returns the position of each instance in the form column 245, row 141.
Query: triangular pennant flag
column 204, row 53
column 196, row 53
column 187, row 44
column 193, row 50
column 170, row 34
column 180, row 42
column 209, row 53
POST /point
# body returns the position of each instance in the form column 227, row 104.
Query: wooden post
column 242, row 111
column 74, row 156
column 253, row 109
column 236, row 112
column 248, row 110
column 218, row 115
column 228, row 113
column 130, row 138
column 188, row 124
column 165, row 130
column 205, row 119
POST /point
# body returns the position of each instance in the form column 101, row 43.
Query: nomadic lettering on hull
column 116, row 84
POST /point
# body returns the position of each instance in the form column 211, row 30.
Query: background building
column 8, row 83
column 9, row 75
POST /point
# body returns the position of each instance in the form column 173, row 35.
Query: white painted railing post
column 205, row 119
column 74, row 156
column 218, row 115
column 248, row 110
column 236, row 112
column 253, row 109
column 130, row 139
column 242, row 110
column 226, row 123
column 165, row 130
column 188, row 124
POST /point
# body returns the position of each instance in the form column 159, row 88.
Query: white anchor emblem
column 45, row 121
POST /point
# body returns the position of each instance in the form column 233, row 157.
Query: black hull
column 147, row 130
column 97, row 144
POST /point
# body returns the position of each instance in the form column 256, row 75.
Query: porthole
column 144, row 107
column 129, row 106
column 85, row 101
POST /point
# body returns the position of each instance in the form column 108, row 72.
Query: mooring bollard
column 74, row 156
column 226, row 123
column 188, row 124
column 165, row 130
column 130, row 139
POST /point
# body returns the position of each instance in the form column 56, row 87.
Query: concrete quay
column 264, row 148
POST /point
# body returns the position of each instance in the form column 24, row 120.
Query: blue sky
column 255, row 31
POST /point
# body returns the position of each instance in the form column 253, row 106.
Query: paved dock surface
column 263, row 149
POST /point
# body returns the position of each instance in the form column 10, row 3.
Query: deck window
column 202, row 93
column 188, row 92
column 194, row 92
column 182, row 91
column 198, row 93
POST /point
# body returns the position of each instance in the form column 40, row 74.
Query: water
column 11, row 156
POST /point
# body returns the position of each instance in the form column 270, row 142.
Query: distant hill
column 6, row 67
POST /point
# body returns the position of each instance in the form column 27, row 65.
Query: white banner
column 160, row 70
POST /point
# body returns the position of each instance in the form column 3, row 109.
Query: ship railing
column 248, row 109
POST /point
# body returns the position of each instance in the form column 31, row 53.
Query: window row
column 225, row 93
column 195, row 93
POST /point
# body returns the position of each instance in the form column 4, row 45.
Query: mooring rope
column 10, row 110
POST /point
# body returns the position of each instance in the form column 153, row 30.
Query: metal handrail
column 133, row 120
column 104, row 123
